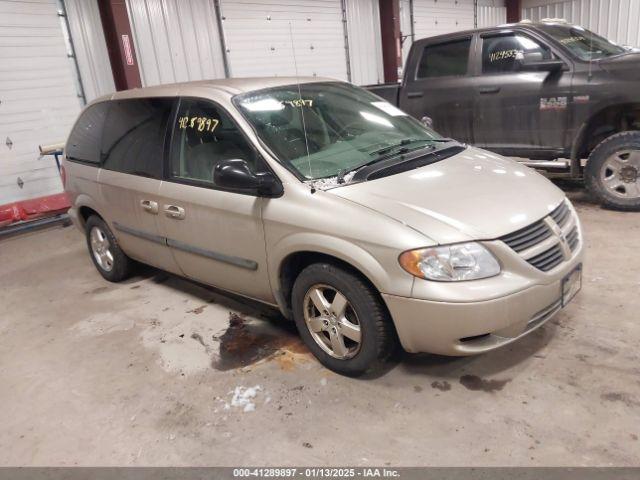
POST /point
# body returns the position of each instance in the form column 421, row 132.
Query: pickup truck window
column 445, row 59
column 346, row 127
column 505, row 53
column 582, row 43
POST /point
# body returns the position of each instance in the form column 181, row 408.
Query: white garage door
column 38, row 97
column 262, row 35
column 436, row 17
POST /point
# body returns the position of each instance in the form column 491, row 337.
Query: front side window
column 84, row 141
column 582, row 43
column 322, row 129
column 445, row 60
column 134, row 134
column 204, row 135
column 507, row 53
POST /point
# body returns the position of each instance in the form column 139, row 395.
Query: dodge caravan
column 315, row 196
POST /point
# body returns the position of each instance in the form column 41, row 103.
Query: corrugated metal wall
column 90, row 47
column 176, row 40
column 490, row 16
column 617, row 20
column 436, row 17
column 365, row 43
column 313, row 28
column 38, row 98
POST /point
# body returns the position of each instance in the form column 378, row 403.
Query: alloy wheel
column 332, row 321
column 101, row 249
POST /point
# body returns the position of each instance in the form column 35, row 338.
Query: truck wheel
column 612, row 173
column 342, row 320
column 107, row 256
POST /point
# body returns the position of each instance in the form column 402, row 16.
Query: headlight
column 451, row 263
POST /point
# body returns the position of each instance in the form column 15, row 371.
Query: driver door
column 518, row 110
column 216, row 235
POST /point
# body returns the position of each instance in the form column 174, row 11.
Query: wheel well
column 611, row 120
column 292, row 265
column 85, row 213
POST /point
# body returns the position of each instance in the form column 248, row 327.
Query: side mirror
column 552, row 65
column 236, row 174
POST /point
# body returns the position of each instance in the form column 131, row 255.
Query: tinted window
column 444, row 60
column 84, row 141
column 582, row 43
column 133, row 140
column 204, row 135
column 505, row 53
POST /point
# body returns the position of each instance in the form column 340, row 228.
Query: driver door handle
column 149, row 206
column 485, row 90
column 415, row 94
column 174, row 211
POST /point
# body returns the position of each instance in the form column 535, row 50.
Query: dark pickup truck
column 554, row 93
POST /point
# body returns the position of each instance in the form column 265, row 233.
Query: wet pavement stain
column 198, row 310
column 475, row 383
column 622, row 397
column 97, row 291
column 443, row 386
column 244, row 344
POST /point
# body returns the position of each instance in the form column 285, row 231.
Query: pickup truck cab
column 542, row 91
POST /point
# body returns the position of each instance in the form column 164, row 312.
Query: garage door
column 436, row 17
column 258, row 36
column 38, row 98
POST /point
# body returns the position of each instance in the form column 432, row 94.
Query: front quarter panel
column 302, row 221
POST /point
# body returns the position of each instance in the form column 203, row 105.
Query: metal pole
column 223, row 42
column 345, row 29
column 62, row 13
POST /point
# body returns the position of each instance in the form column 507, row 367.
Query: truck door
column 520, row 110
column 438, row 86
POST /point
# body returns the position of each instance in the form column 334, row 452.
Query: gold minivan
column 315, row 196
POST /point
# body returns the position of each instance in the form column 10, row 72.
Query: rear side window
column 134, row 135
column 506, row 53
column 84, row 141
column 445, row 60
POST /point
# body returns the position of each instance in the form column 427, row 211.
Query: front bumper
column 451, row 326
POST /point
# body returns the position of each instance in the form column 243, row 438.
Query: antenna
column 304, row 126
column 590, row 54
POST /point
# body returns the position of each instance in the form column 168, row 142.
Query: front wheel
column 612, row 173
column 342, row 319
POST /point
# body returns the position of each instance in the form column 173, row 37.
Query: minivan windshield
column 582, row 43
column 346, row 127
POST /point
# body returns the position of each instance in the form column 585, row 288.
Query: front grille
column 561, row 214
column 545, row 244
column 527, row 237
column 548, row 259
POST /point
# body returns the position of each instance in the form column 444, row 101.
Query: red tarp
column 33, row 208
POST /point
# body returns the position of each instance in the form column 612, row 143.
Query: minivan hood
column 474, row 195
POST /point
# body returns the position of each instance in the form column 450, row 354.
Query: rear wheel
column 612, row 172
column 342, row 319
column 107, row 256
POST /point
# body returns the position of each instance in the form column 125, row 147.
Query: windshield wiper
column 402, row 143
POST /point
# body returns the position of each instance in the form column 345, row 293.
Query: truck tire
column 342, row 320
column 109, row 259
column 612, row 173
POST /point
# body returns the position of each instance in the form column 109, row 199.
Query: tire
column 106, row 254
column 364, row 309
column 612, row 173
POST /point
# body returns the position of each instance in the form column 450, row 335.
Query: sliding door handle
column 485, row 90
column 149, row 206
column 174, row 211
